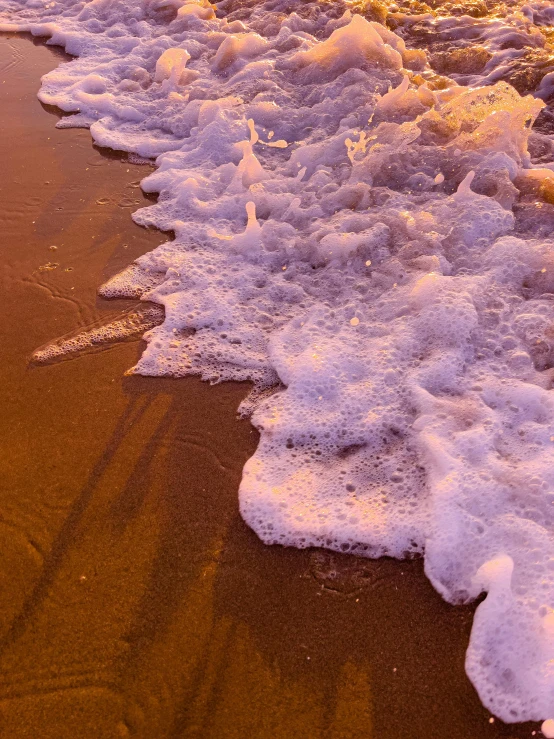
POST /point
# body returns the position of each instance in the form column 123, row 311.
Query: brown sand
column 134, row 600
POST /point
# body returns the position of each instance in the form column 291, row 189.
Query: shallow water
column 378, row 263
column 134, row 599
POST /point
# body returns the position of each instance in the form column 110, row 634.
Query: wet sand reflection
column 135, row 601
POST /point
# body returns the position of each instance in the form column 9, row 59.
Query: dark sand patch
column 134, row 600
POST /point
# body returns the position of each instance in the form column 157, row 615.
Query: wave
column 362, row 200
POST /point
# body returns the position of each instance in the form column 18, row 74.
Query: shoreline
column 140, row 604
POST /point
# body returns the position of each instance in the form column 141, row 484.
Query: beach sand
column 134, row 600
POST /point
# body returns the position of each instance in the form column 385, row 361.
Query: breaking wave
column 362, row 199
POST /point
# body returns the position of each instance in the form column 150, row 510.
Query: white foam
column 371, row 267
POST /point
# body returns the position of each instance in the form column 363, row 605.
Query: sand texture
column 134, row 600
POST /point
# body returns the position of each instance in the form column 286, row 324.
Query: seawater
column 362, row 197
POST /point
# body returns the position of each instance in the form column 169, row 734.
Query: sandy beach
column 134, row 599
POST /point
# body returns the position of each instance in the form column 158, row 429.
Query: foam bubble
column 372, row 249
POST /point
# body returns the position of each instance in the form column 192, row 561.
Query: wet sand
column 134, row 600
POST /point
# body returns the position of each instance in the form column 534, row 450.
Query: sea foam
column 370, row 244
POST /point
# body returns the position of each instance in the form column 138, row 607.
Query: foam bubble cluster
column 372, row 242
